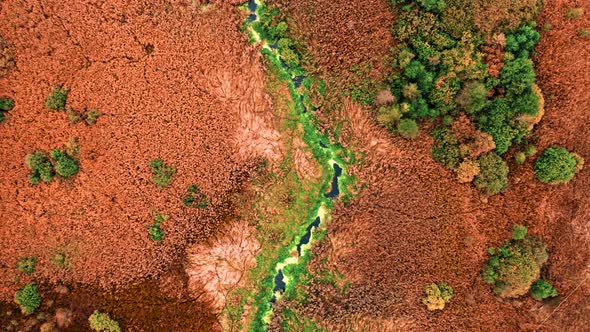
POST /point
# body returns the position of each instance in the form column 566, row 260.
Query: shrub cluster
column 557, row 165
column 6, row 104
column 516, row 265
column 442, row 71
column 161, row 173
column 88, row 116
column 103, row 322
column 437, row 295
column 28, row 298
column 44, row 169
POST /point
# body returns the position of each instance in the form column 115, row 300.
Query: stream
column 280, row 280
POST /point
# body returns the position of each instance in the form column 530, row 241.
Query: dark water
column 335, row 190
column 297, row 80
column 279, row 285
column 305, row 239
column 252, row 5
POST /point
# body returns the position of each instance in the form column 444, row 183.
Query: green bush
column 6, row 104
column 542, row 289
column 437, row 295
column 65, row 165
column 56, row 101
column 517, row 76
column 26, row 264
column 103, row 322
column 408, row 128
column 40, row 166
column 514, row 266
column 436, row 6
column 530, row 151
column 446, row 148
column 522, row 42
column 518, row 232
column 28, row 298
column 91, row 116
column 493, row 176
column 520, row 158
column 555, row 165
column 162, row 173
column 156, row 233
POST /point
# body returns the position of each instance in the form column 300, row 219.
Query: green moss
column 28, row 298
column 156, row 233
column 195, row 198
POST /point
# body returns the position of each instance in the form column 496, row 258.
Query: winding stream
column 325, row 153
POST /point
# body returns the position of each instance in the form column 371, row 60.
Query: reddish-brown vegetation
column 173, row 81
column 413, row 225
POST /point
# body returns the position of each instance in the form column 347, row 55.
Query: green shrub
column 520, row 158
column 162, row 173
column 555, row 165
column 518, row 232
column 542, row 289
column 530, row 151
column 584, row 33
column 522, row 42
column 436, row 6
column 408, row 128
column 91, row 116
column 40, row 166
column 26, row 264
column 6, row 104
column 195, row 198
column 60, row 260
column 65, row 165
column 514, row 267
column 437, row 295
column 493, row 176
column 103, row 322
column 156, row 233
column 57, row 99
column 446, row 148
column 28, row 298
column 517, row 76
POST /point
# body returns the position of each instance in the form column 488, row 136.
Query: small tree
column 56, row 101
column 408, row 128
column 40, row 166
column 66, row 166
column 493, row 175
column 542, row 289
column 437, row 295
column 520, row 157
column 555, row 165
column 28, row 298
column 103, row 322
